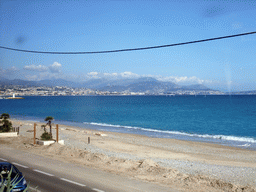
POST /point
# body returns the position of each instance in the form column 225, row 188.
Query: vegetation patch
column 47, row 135
column 6, row 124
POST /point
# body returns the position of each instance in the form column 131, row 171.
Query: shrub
column 46, row 136
column 7, row 125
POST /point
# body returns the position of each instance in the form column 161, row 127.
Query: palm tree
column 5, row 116
column 44, row 127
column 7, row 125
column 49, row 119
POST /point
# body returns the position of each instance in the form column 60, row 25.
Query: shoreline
column 161, row 160
column 223, row 140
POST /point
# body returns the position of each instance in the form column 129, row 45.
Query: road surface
column 53, row 175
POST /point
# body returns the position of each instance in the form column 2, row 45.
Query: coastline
column 224, row 140
column 187, row 164
column 220, row 120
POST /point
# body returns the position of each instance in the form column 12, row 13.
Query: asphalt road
column 52, row 175
column 42, row 181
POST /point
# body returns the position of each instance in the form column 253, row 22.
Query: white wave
column 222, row 137
column 110, row 125
column 32, row 119
column 245, row 145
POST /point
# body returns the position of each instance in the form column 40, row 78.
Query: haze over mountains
column 145, row 84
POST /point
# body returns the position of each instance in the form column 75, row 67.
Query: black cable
column 133, row 49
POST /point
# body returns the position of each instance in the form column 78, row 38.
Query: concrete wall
column 9, row 134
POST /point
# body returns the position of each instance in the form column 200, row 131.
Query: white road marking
column 43, row 172
column 19, row 165
column 73, row 182
column 3, row 159
column 98, row 190
column 34, row 189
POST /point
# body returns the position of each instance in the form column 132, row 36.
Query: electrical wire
column 132, row 49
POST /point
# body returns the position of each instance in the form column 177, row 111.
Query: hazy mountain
column 18, row 82
column 103, row 83
column 59, row 82
column 95, row 83
column 196, row 87
column 2, row 79
column 49, row 83
column 145, row 84
column 149, row 85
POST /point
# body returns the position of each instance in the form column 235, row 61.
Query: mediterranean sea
column 225, row 120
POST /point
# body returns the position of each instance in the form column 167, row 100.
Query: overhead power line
column 132, row 49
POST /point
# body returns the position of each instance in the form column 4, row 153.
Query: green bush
column 46, row 136
column 6, row 124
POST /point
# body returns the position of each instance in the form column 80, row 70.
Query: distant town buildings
column 9, row 90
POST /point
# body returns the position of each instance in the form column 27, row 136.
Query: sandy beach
column 187, row 165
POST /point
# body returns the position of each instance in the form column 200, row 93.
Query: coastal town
column 9, row 90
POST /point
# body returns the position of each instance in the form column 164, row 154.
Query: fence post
column 89, row 140
column 57, row 133
column 34, row 133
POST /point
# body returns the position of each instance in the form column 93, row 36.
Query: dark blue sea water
column 227, row 120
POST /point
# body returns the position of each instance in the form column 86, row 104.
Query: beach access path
column 176, row 164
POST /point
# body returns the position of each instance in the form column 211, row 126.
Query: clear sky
column 73, row 25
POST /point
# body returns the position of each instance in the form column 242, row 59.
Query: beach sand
column 185, row 165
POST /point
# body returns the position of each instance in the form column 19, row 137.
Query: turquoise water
column 229, row 120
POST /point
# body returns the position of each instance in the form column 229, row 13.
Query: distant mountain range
column 4, row 81
column 150, row 85
column 146, row 84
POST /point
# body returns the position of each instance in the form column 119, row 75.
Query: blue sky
column 62, row 25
